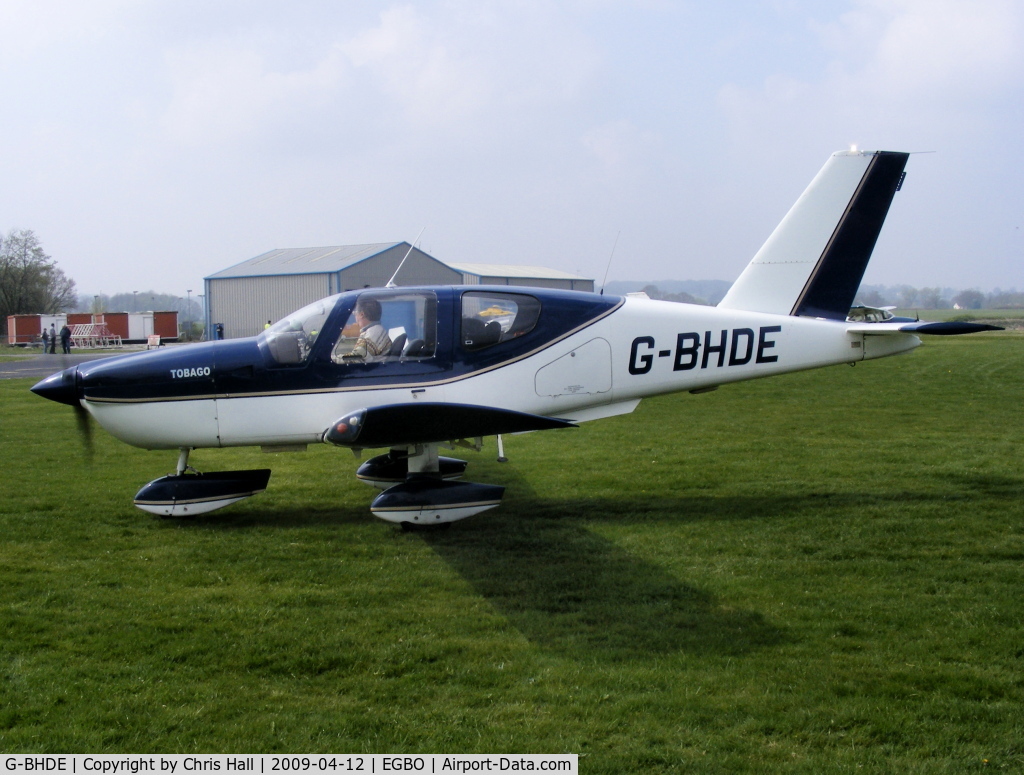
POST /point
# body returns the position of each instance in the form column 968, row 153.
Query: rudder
column 813, row 262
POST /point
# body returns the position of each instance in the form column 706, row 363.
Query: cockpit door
column 379, row 336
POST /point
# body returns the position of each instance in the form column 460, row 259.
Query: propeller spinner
column 62, row 387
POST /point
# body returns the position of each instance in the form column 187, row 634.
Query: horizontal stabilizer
column 397, row 425
column 813, row 262
column 949, row 328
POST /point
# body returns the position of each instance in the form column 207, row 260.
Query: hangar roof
column 332, row 258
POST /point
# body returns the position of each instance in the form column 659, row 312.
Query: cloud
column 452, row 70
column 942, row 75
column 226, row 90
column 621, row 146
column 885, row 56
column 39, row 27
column 516, row 130
column 462, row 61
column 929, row 47
column 413, row 61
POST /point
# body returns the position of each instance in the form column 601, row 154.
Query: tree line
column 908, row 297
column 901, row 296
column 31, row 281
column 140, row 301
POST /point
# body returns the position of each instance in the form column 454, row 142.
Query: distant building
column 242, row 298
column 28, row 329
column 511, row 274
column 125, row 327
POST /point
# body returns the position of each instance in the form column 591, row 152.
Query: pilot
column 373, row 340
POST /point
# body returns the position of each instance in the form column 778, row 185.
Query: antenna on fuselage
column 608, row 268
column 391, row 282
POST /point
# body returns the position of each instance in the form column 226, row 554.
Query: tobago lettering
column 201, row 371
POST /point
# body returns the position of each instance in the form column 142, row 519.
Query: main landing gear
column 420, row 488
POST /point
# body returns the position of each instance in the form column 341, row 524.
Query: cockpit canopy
column 405, row 324
column 425, row 325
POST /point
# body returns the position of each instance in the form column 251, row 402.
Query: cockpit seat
column 477, row 334
column 398, row 346
column 415, row 348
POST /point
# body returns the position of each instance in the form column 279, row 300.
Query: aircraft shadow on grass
column 562, row 586
column 570, row 590
column 973, row 484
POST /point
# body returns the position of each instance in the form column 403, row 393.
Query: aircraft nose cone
column 60, row 387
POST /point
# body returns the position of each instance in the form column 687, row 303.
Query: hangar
column 242, row 298
column 512, row 274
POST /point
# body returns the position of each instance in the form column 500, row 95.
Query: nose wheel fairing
column 191, row 494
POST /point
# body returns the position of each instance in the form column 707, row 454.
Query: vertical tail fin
column 813, row 262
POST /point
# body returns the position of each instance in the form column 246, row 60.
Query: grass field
column 821, row 572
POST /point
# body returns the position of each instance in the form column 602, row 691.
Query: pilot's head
column 369, row 309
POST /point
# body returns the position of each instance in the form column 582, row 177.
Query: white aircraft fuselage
column 642, row 348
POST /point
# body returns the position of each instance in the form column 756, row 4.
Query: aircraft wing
column 396, row 425
column 948, row 328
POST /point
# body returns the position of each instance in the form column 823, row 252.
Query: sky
column 151, row 143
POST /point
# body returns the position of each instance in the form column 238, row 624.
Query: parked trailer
column 27, row 330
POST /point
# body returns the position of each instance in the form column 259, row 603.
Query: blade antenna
column 391, row 282
column 608, row 268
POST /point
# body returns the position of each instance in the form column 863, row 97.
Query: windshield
column 291, row 339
